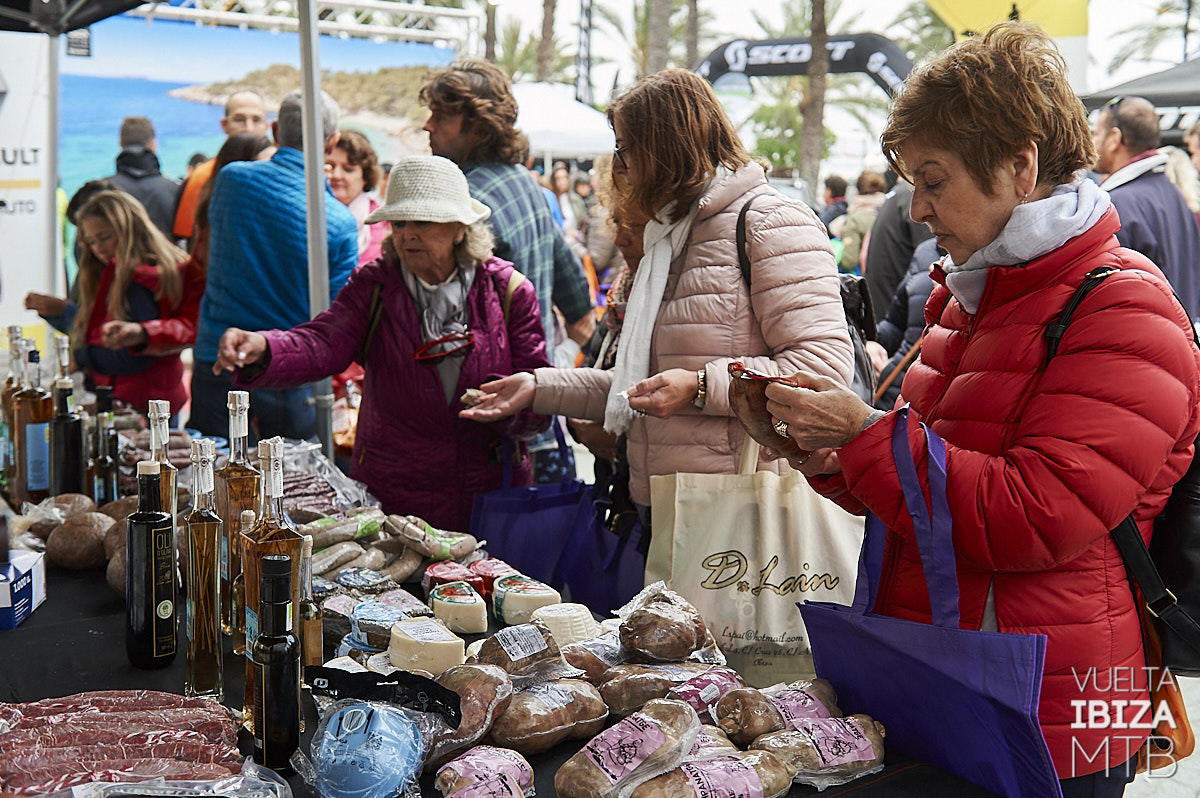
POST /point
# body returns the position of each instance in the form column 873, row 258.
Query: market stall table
column 75, row 642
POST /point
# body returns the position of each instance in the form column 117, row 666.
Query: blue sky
column 186, row 53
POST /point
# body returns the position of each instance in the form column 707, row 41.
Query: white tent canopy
column 558, row 125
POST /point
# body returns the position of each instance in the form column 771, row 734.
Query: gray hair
column 291, row 115
column 477, row 242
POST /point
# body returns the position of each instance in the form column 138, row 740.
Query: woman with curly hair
column 353, row 171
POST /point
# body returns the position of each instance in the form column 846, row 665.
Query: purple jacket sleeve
column 528, row 345
column 321, row 347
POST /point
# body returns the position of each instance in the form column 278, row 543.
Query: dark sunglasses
column 1113, row 107
column 464, row 339
column 619, row 156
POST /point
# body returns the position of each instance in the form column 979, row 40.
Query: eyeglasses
column 1113, row 107
column 619, row 156
column 463, row 340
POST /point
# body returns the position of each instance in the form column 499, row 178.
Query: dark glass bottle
column 104, row 462
column 276, row 668
column 149, row 576
column 67, row 461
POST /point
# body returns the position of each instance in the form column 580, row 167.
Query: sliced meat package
column 663, row 626
column 626, row 688
column 828, row 751
column 480, row 763
column 484, row 692
column 746, row 713
column 741, row 773
column 544, row 714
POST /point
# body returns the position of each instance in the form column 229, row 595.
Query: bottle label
column 190, row 626
column 273, row 478
column 251, row 632
column 224, row 559
column 158, row 433
column 37, row 456
column 98, row 490
column 163, row 595
column 239, row 426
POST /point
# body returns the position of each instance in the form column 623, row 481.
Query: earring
column 1025, row 199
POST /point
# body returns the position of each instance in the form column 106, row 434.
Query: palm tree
column 922, row 33
column 658, row 36
column 693, row 33
column 813, row 130
column 547, row 40
column 1172, row 18
column 517, row 55
column 634, row 37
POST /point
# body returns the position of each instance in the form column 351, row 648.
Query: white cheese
column 425, row 644
column 515, row 597
column 457, row 605
column 570, row 623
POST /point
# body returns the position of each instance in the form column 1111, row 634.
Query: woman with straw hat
column 434, row 315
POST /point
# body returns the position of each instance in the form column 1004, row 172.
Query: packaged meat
column 371, row 621
column 746, row 713
column 710, row 742
column 484, row 693
column 621, row 758
column 404, row 601
column 528, row 653
column 364, row 580
column 544, row 714
column 596, row 655
column 436, row 544
column 497, row 785
column 828, row 751
column 705, row 689
column 663, row 626
column 735, row 774
column 481, row 762
column 441, row 573
column 626, row 688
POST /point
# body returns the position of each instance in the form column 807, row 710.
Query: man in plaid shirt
column 472, row 121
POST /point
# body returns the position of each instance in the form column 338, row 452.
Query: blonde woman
column 139, row 297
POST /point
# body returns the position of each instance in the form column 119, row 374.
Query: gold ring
column 781, row 427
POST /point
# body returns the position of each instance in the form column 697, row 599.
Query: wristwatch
column 701, row 389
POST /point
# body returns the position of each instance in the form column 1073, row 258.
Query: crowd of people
column 465, row 289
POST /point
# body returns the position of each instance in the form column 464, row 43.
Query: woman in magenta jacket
column 1044, row 456
column 432, row 317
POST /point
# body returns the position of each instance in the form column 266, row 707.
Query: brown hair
column 139, row 242
column 360, row 153
column 988, row 97
column 136, row 131
column 678, row 136
column 238, row 147
column 870, row 182
column 483, row 94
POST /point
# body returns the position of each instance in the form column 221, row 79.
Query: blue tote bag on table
column 529, row 527
column 961, row 699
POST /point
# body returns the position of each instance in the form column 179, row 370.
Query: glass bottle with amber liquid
column 273, row 534
column 311, row 615
column 12, row 383
column 33, row 407
column 203, row 674
column 238, row 600
column 276, row 668
column 239, row 488
column 149, row 576
column 160, row 417
column 67, row 460
column 104, row 447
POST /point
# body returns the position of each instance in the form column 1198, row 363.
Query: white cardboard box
column 22, row 586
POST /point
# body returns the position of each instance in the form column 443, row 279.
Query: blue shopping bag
column 604, row 563
column 961, row 699
column 529, row 527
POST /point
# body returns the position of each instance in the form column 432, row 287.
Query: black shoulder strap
column 1055, row 330
column 743, row 255
column 373, row 316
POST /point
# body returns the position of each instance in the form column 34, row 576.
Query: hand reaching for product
column 501, row 398
column 123, row 334
column 238, row 349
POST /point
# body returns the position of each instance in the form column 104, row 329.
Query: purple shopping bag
column 961, row 699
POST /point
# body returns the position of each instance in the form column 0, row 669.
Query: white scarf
column 663, row 243
column 1033, row 230
column 1133, row 170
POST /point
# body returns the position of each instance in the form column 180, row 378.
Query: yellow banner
column 1059, row 18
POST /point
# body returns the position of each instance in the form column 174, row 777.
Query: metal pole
column 53, row 263
column 314, row 175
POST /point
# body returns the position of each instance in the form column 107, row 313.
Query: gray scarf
column 442, row 309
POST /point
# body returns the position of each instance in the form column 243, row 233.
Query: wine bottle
column 67, row 463
column 12, row 384
column 273, row 534
column 238, row 601
column 33, row 408
column 203, row 675
column 311, row 615
column 276, row 668
column 149, row 576
column 104, row 461
column 160, row 416
column 239, row 488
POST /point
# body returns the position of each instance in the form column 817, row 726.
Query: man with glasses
column 244, row 113
column 1155, row 220
column 472, row 121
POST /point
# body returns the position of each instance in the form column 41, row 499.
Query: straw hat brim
column 415, row 210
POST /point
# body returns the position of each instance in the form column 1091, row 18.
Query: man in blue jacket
column 258, row 270
column 1155, row 220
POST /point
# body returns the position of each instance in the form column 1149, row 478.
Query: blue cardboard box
column 22, row 586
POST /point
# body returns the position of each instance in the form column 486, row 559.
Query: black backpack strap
column 1055, row 330
column 373, row 316
column 743, row 255
column 1159, row 599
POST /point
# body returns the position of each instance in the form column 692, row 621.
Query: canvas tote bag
column 744, row 549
